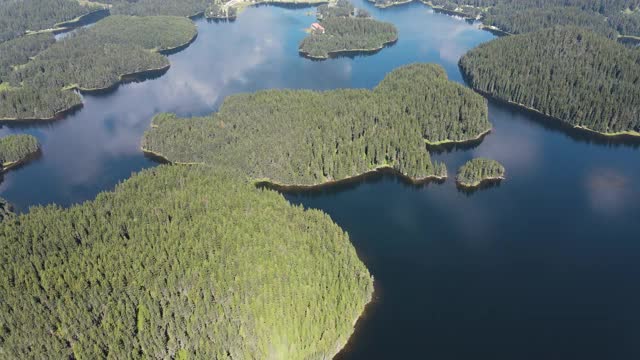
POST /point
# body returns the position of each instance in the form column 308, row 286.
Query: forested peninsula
column 570, row 74
column 307, row 138
column 344, row 28
column 479, row 171
column 178, row 262
column 16, row 149
column 18, row 17
column 91, row 59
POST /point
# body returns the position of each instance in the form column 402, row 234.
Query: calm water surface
column 543, row 266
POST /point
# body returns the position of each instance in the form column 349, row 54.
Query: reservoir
column 544, row 265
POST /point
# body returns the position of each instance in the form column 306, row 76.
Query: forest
column 306, row 138
column 517, row 16
column 6, row 209
column 346, row 30
column 19, row 16
column 571, row 74
column 90, row 59
column 16, row 148
column 476, row 171
column 178, row 262
column 18, row 51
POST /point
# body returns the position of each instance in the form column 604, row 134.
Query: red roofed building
column 317, row 28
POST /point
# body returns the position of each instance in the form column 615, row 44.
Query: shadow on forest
column 484, row 185
column 372, row 177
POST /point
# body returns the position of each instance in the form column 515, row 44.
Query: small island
column 345, row 29
column 93, row 59
column 302, row 138
column 476, row 172
column 179, row 262
column 16, row 150
column 570, row 74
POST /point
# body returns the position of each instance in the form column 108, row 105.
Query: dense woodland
column 346, row 30
column 93, row 58
column 6, row 209
column 16, row 148
column 300, row 137
column 18, row 51
column 517, row 16
column 179, row 262
column 571, row 74
column 20, row 16
column 474, row 172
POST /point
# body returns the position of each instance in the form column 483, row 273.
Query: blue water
column 543, row 266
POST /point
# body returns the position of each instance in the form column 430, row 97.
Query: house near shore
column 317, row 28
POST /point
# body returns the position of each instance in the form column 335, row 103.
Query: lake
column 543, row 266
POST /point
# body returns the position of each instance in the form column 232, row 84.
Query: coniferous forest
column 345, row 31
column 608, row 17
column 19, row 16
column 90, row 59
column 476, row 171
column 178, row 262
column 16, row 148
column 186, row 8
column 6, row 210
column 571, row 74
column 300, row 137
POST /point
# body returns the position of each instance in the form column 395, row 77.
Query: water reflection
column 96, row 147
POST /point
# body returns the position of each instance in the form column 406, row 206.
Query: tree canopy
column 20, row 16
column 474, row 172
column 571, row 74
column 178, row 262
column 93, row 58
column 301, row 137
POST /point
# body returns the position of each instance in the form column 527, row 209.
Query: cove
column 545, row 265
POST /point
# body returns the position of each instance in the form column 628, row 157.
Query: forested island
column 178, row 262
column 344, row 28
column 571, row 74
column 16, row 149
column 479, row 171
column 91, row 59
column 307, row 138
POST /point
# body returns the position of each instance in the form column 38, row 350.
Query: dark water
column 543, row 266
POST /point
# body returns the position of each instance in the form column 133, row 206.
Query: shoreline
column 366, row 308
column 56, row 116
column 302, row 187
column 478, row 184
column 384, row 6
column 337, row 53
column 123, row 79
column 459, row 142
column 245, row 4
column 356, row 178
column 178, row 48
column 69, row 25
column 5, row 167
column 620, row 134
